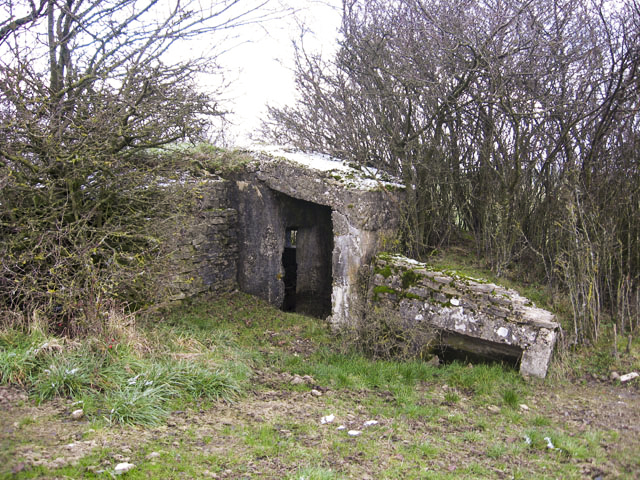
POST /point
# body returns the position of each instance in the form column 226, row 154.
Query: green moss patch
column 384, row 271
column 378, row 289
column 409, row 278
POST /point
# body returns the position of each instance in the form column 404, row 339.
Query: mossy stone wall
column 471, row 314
column 203, row 242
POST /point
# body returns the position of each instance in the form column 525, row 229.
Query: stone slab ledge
column 471, row 314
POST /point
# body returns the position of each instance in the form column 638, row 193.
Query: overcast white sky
column 260, row 69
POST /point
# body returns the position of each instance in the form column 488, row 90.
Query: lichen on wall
column 342, row 215
column 201, row 239
column 364, row 210
column 234, row 236
column 478, row 316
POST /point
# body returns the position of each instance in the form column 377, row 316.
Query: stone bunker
column 306, row 225
column 302, row 232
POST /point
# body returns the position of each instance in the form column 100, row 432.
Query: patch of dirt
column 45, row 435
column 291, row 341
column 599, row 406
column 38, row 434
column 605, row 407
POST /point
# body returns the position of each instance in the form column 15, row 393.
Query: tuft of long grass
column 193, row 380
column 64, row 376
column 212, row 384
column 138, row 404
column 19, row 355
column 143, row 392
column 122, row 374
column 496, row 450
column 510, row 398
column 16, row 366
column 451, row 397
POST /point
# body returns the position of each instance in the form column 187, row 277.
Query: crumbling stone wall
column 203, row 241
column 479, row 317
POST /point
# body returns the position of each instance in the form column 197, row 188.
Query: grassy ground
column 232, row 388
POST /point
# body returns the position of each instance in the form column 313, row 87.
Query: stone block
column 477, row 317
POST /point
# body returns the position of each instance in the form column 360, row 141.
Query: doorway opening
column 307, row 257
column 290, row 266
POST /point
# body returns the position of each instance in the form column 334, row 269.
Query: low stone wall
column 203, row 241
column 469, row 314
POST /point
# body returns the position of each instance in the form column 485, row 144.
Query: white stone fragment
column 341, row 427
column 419, row 317
column 462, row 327
column 455, row 302
column 629, row 376
column 369, row 423
column 410, row 261
column 77, row 414
column 123, row 468
column 524, row 407
column 503, row 332
column 549, row 443
column 327, row 419
column 354, row 433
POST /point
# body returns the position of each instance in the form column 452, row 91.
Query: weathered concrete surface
column 470, row 315
column 231, row 233
column 363, row 215
column 265, row 216
column 234, row 235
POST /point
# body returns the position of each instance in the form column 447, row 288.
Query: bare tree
column 507, row 119
column 87, row 88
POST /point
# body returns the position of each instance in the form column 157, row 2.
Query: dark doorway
column 307, row 257
column 290, row 266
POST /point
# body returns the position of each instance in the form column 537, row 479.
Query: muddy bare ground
column 600, row 406
column 47, row 436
